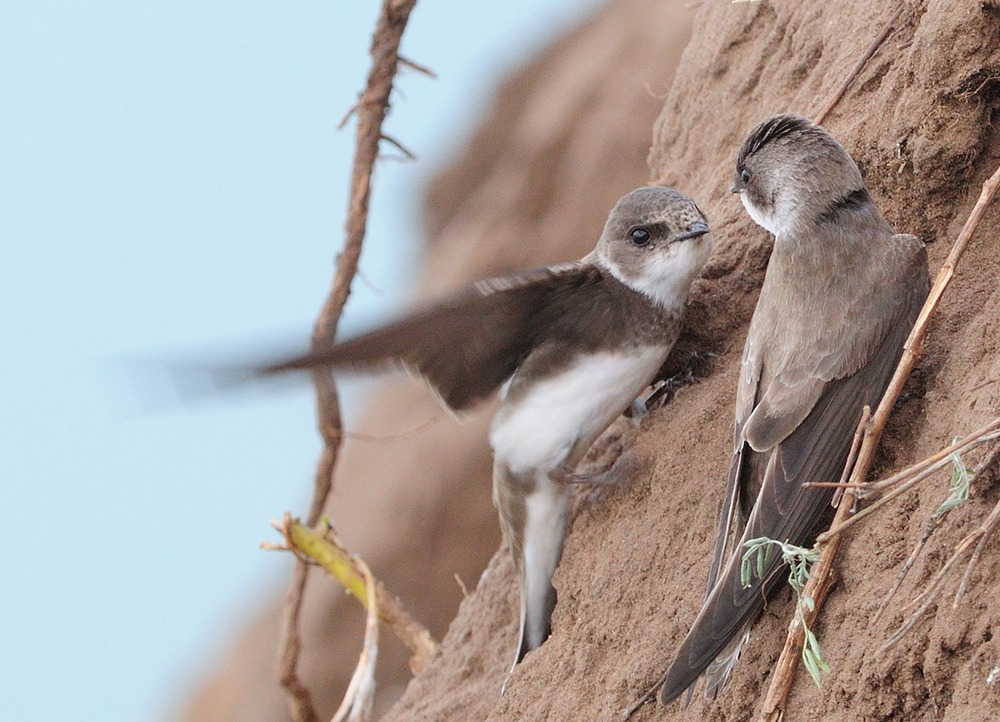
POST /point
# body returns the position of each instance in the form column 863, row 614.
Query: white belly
column 541, row 428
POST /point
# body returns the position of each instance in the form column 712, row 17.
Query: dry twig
column 325, row 549
column 929, row 595
column 932, row 524
column 977, row 537
column 910, row 477
column 360, row 696
column 987, row 529
column 872, row 49
column 818, row 586
column 781, row 684
column 371, row 109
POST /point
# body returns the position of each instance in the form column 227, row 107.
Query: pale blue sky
column 171, row 180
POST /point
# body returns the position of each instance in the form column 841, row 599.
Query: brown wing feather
column 467, row 345
column 734, row 511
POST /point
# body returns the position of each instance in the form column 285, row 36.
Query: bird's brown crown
column 771, row 130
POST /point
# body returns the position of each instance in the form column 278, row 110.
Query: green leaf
column 758, row 555
column 961, row 476
column 812, row 657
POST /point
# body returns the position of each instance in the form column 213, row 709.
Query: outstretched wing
column 467, row 345
column 790, row 446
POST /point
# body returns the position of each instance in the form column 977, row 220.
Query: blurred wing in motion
column 467, row 345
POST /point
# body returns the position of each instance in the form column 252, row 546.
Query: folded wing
column 791, row 444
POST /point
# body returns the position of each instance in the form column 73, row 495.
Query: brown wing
column 467, row 345
column 734, row 511
column 743, row 480
column 814, row 450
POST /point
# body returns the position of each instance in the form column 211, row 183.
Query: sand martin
column 839, row 298
column 571, row 345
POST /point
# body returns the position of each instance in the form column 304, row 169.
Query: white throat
column 775, row 222
column 667, row 272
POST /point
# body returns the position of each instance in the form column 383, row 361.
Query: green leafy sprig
column 756, row 559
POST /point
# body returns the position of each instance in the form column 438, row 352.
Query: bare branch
column 929, row 596
column 818, row 586
column 872, row 49
column 911, row 476
column 300, row 699
column 980, row 536
column 371, row 110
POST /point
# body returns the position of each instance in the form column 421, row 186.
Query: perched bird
column 578, row 343
column 839, row 298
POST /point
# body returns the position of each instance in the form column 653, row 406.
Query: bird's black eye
column 744, row 175
column 639, row 236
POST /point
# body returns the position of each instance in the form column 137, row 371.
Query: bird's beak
column 735, row 188
column 694, row 231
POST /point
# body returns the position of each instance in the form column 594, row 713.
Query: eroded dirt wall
column 920, row 122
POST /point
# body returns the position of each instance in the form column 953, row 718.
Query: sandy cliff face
column 566, row 136
column 920, row 122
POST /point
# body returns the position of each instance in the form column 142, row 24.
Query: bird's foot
column 629, row 465
column 695, row 366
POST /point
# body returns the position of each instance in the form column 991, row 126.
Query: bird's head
column 790, row 170
column 656, row 241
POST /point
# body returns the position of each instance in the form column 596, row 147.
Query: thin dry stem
column 370, row 110
column 299, row 697
column 986, row 464
column 872, row 49
column 833, row 485
column 932, row 524
column 986, row 531
column 407, row 153
column 818, row 586
column 926, row 598
column 929, row 595
column 911, row 476
column 326, row 550
column 417, row 66
column 347, row 116
column 987, row 432
column 360, row 695
column 929, row 528
column 852, row 456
